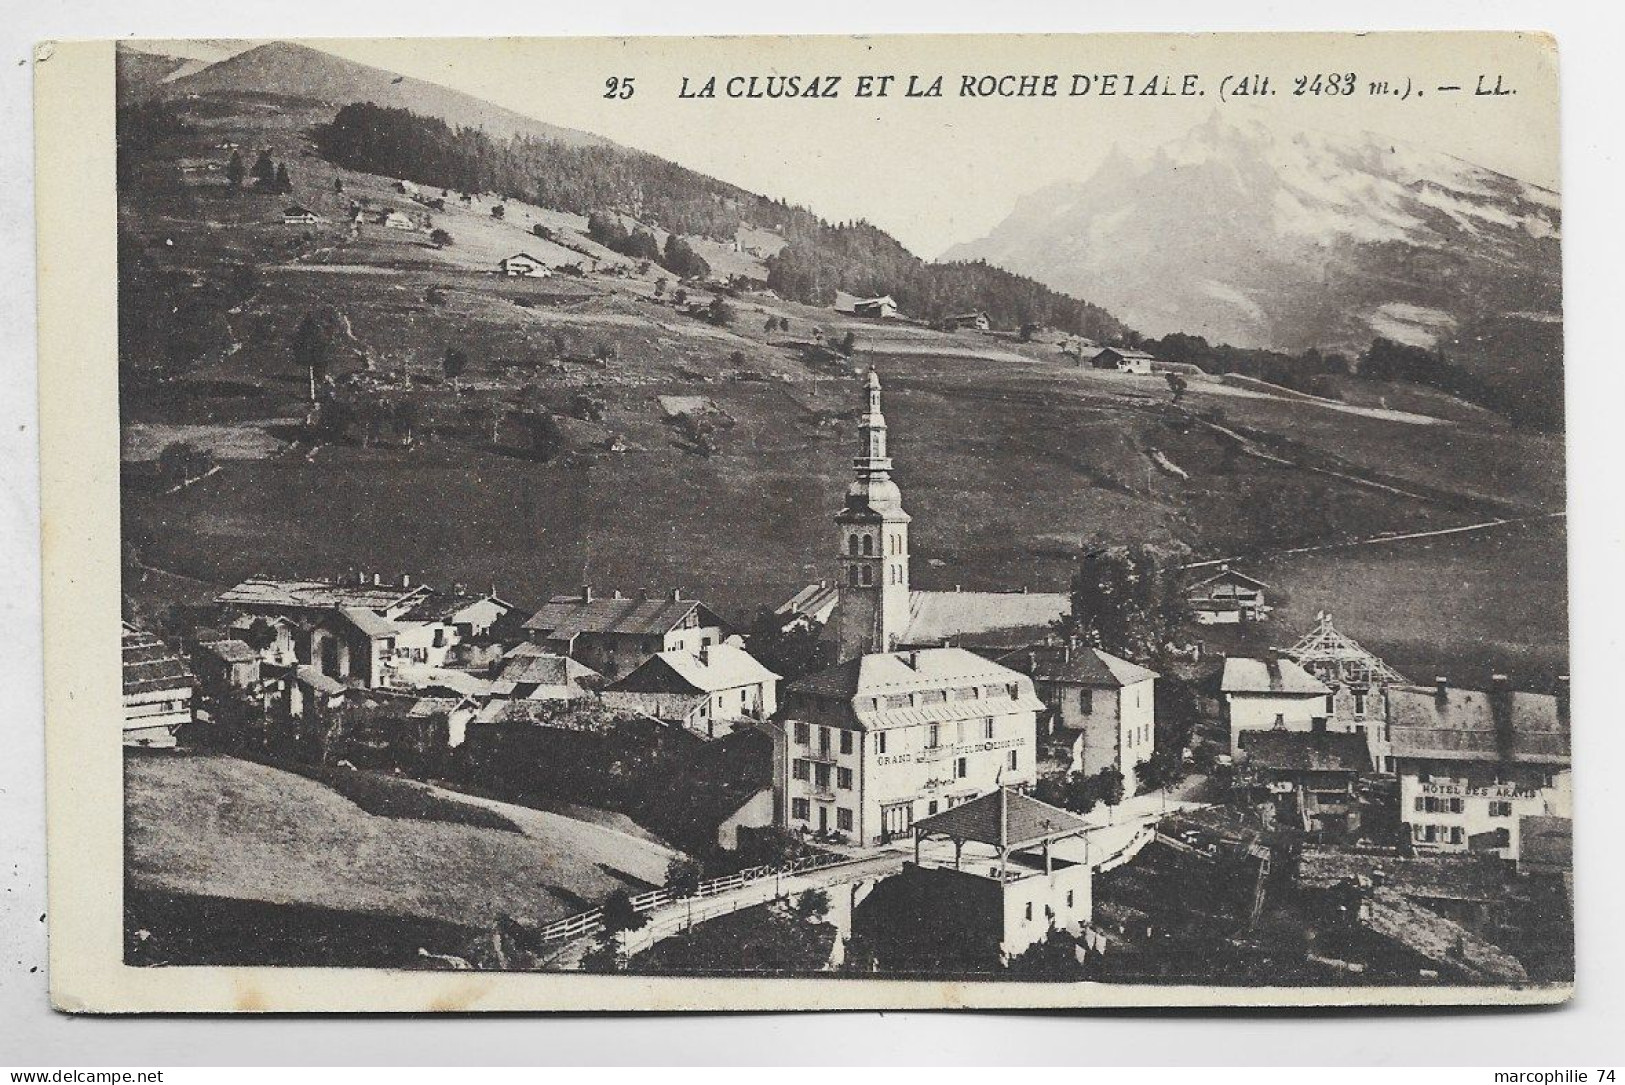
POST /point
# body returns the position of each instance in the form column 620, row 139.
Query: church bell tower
column 871, row 536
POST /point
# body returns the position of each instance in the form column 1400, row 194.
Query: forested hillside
column 819, row 259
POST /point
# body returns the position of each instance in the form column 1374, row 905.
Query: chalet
column 974, row 321
column 712, row 692
column 397, row 220
column 812, row 606
column 442, row 720
column 1461, row 887
column 876, row 307
column 1473, row 765
column 528, row 672
column 1310, row 777
column 867, row 747
column 1101, row 709
column 158, row 688
column 524, row 265
column 303, row 599
column 308, row 694
column 1228, row 597
column 278, row 636
column 994, row 872
column 227, row 664
column 1271, row 694
column 1123, row 360
column 299, row 216
column 614, row 634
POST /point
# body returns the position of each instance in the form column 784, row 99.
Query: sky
column 938, row 171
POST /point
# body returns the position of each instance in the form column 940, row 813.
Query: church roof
column 1007, row 616
column 565, row 616
column 1005, row 819
column 1279, row 676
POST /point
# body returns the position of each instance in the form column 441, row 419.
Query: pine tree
column 264, row 172
column 234, row 170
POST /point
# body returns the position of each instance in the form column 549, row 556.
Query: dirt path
column 1374, row 540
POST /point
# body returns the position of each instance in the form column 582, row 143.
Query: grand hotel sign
column 938, row 753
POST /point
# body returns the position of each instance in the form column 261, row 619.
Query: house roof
column 1428, row 934
column 523, row 256
column 565, row 616
column 440, row 606
column 1079, row 665
column 1005, row 819
column 369, row 622
column 318, row 594
column 1475, row 725
column 1279, row 676
column 1232, row 576
column 719, row 667
column 1300, row 751
column 886, row 689
column 150, row 664
column 1126, row 352
column 811, row 600
column 1442, row 876
column 536, row 667
column 936, row 616
column 316, row 680
column 231, row 650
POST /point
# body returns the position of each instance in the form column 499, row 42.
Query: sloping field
column 218, row 827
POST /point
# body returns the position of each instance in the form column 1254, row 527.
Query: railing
column 592, row 921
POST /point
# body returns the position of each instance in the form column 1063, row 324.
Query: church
column 894, row 733
column 873, row 607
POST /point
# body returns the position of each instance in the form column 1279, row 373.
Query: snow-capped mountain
column 1290, row 240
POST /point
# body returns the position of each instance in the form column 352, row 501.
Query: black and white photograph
column 1081, row 518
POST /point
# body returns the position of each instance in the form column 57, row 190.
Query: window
column 1500, row 809
column 1069, row 898
column 866, row 575
column 1029, row 911
column 931, row 807
column 846, row 741
column 933, row 736
column 798, row 769
column 1086, row 702
column 852, row 576
column 843, row 779
column 1014, row 760
column 1359, row 702
column 868, row 545
column 843, row 820
column 959, row 769
column 852, row 545
column 800, row 809
column 821, row 777
column 803, row 733
column 880, row 742
column 987, row 727
column 823, row 741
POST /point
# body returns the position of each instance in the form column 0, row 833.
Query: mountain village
column 1090, row 718
column 908, row 777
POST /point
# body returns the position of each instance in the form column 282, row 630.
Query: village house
column 1123, row 360
column 882, row 307
column 524, row 265
column 299, row 216
column 225, row 663
column 1357, row 679
column 1101, row 710
column 712, row 692
column 1310, row 778
column 974, row 321
column 1472, row 764
column 277, row 636
column 614, row 634
column 1228, row 597
column 397, row 220
column 1266, row 694
column 1462, row 887
column 1003, row 886
column 159, row 688
column 528, row 672
column 870, row 745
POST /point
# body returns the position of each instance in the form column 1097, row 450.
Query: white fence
column 592, row 921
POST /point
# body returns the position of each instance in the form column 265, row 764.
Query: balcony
column 823, row 755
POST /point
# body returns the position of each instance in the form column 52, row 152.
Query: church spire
column 872, row 609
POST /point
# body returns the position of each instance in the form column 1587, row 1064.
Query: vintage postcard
column 785, row 523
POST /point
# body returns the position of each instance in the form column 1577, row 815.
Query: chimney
column 457, row 589
column 616, row 594
column 1066, row 652
column 1441, row 689
column 586, row 593
column 1499, row 683
column 406, row 580
column 1562, row 692
column 377, row 580
column 677, row 595
column 912, row 659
